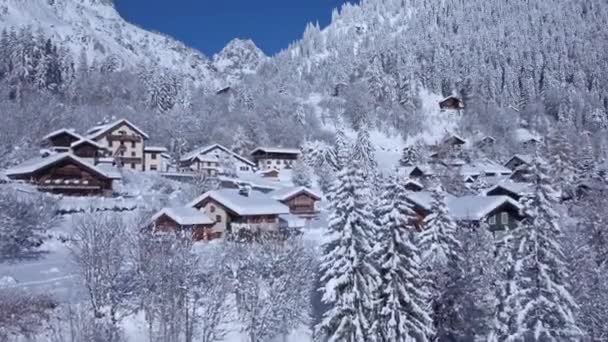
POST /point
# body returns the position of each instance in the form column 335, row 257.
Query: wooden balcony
column 124, row 137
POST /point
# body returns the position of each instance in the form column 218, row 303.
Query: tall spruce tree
column 540, row 304
column 441, row 260
column 364, row 153
column 348, row 275
column 403, row 300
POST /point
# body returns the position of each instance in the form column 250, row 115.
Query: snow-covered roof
column 483, row 167
column 527, row 159
column 155, row 149
column 53, row 134
column 35, row 164
column 111, row 171
column 424, row 199
column 87, row 141
column 513, row 187
column 476, row 207
column 101, row 129
column 285, row 194
column 456, row 137
column 523, row 135
column 184, row 216
column 411, row 181
column 205, row 149
column 281, row 150
column 253, row 183
column 255, row 203
column 203, row 158
column 407, row 170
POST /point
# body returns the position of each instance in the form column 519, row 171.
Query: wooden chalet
column 301, row 200
column 454, row 141
column 86, row 148
column 412, row 185
column 227, row 207
column 185, row 220
column 498, row 213
column 65, row 173
column 275, row 157
column 61, row 140
column 518, row 160
column 451, row 103
column 272, row 174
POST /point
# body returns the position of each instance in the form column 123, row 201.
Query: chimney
column 244, row 190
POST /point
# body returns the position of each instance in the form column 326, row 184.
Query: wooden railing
column 124, row 137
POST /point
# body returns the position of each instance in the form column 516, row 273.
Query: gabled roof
column 411, row 181
column 475, row 208
column 517, row 188
column 87, row 141
column 184, row 216
column 97, row 131
column 206, row 149
column 280, row 150
column 285, row 194
column 39, row 163
column 460, row 140
column 526, row 159
column 70, row 132
column 481, row 167
column 256, row 203
column 524, row 135
column 424, row 199
column 407, row 170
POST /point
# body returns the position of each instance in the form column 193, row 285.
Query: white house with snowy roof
column 124, row 140
column 215, row 157
column 275, row 157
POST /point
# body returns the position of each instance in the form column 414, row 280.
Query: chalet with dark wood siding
column 185, row 220
column 61, row 140
column 301, row 200
column 275, row 157
column 64, row 173
column 86, row 148
column 451, row 103
column 498, row 212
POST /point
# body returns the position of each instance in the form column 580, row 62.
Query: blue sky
column 208, row 25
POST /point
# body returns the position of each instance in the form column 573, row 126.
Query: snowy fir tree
column 403, row 301
column 410, row 156
column 301, row 174
column 348, row 275
column 441, row 260
column 364, row 153
column 540, row 303
column 561, row 161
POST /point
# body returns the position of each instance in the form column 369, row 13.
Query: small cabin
column 412, row 185
column 185, row 220
column 451, row 103
column 301, row 200
column 275, row 157
column 499, row 213
column 518, row 160
column 62, row 138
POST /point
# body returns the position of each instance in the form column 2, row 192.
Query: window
column 153, row 167
column 133, row 154
column 243, row 168
column 133, row 166
column 269, row 162
column 154, row 156
column 133, row 144
column 212, row 208
column 218, row 218
column 122, row 143
column 110, row 143
column 492, row 220
column 504, row 218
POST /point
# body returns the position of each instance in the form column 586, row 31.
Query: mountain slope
column 96, row 28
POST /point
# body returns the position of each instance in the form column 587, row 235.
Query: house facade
column 64, row 173
column 224, row 157
column 124, row 140
column 156, row 159
column 275, row 158
column 301, row 201
column 208, row 166
column 451, row 103
column 184, row 220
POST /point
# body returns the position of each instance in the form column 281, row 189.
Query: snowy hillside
column 96, row 28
